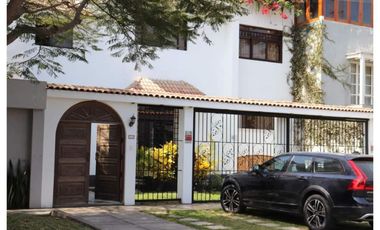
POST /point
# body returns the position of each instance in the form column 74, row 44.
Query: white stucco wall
column 346, row 39
column 216, row 70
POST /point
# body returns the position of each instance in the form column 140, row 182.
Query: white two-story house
column 107, row 133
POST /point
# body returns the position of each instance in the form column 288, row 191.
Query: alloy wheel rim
column 230, row 199
column 315, row 213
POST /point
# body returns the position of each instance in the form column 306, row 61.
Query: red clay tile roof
column 194, row 97
column 145, row 85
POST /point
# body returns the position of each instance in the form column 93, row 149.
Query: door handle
column 301, row 177
column 272, row 177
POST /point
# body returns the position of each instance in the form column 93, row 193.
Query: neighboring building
column 349, row 27
column 108, row 134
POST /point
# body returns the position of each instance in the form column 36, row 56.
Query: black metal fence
column 226, row 143
column 157, row 153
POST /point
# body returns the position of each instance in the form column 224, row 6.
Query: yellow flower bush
column 203, row 165
column 161, row 162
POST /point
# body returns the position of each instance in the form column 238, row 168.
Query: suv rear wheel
column 317, row 213
column 230, row 199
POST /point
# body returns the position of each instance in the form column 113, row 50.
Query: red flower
column 264, row 10
column 284, row 16
column 249, row 1
column 275, row 5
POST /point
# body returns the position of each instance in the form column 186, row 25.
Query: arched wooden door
column 72, row 157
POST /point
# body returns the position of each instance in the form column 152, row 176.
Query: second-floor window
column 358, row 12
column 260, row 44
column 62, row 40
column 311, row 10
column 148, row 37
column 350, row 11
column 355, row 84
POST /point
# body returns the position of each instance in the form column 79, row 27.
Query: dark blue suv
column 323, row 187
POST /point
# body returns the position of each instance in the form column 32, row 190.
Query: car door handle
column 301, row 178
column 272, row 177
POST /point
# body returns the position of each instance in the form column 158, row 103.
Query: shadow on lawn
column 294, row 219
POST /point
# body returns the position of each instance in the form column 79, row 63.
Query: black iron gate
column 226, row 143
column 157, row 153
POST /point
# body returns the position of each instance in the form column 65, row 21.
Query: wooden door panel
column 108, row 162
column 72, row 151
column 72, row 164
column 72, row 170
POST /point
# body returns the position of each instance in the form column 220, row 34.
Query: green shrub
column 18, row 186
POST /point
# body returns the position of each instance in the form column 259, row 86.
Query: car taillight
column 359, row 183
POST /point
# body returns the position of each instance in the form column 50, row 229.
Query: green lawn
column 198, row 196
column 239, row 221
column 17, row 221
column 219, row 217
column 201, row 196
column 156, row 196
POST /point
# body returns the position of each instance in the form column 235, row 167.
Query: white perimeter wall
column 347, row 39
column 60, row 101
column 216, row 70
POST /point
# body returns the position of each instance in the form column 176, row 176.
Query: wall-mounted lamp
column 132, row 121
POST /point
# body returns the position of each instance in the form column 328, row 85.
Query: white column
column 130, row 154
column 181, row 140
column 36, row 159
column 362, row 80
column 186, row 150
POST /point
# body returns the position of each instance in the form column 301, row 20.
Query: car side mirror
column 255, row 169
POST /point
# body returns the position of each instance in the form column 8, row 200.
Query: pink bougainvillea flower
column 284, row 16
column 275, row 6
column 264, row 10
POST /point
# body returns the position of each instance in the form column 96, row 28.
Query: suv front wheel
column 231, row 199
column 317, row 213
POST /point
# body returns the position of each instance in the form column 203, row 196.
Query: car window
column 327, row 165
column 277, row 164
column 301, row 164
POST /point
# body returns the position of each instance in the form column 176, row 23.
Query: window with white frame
column 355, row 84
column 355, row 89
column 368, row 86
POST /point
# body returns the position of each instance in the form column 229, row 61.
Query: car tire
column 317, row 213
column 231, row 199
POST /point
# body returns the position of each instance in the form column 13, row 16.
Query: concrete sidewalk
column 101, row 219
column 122, row 217
column 128, row 217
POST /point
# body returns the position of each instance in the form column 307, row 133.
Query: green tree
column 120, row 22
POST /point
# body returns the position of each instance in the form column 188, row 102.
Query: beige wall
column 19, row 133
column 22, row 98
column 26, row 94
